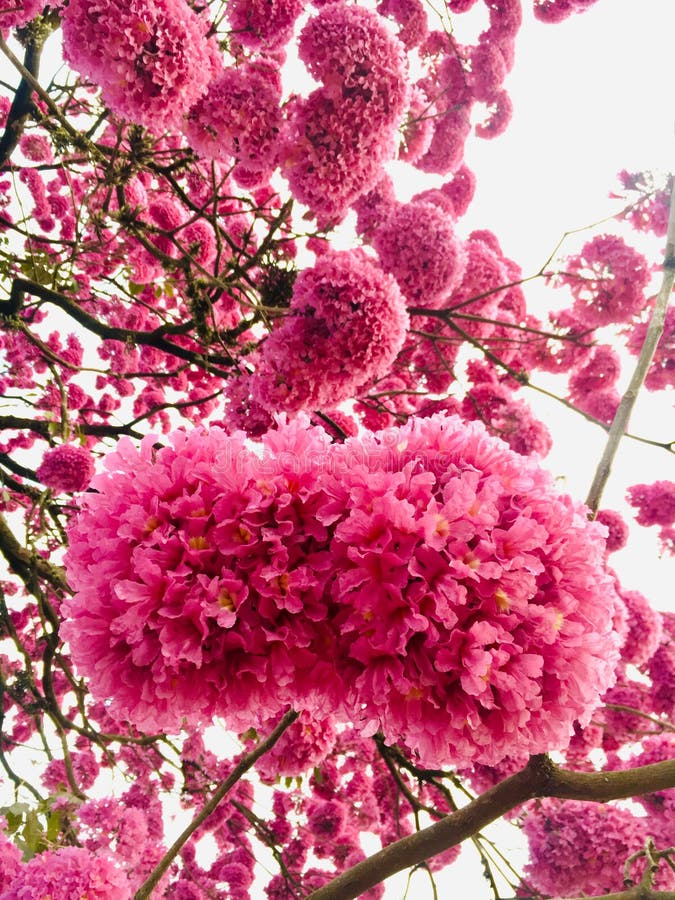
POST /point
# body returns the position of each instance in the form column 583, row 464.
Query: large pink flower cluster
column 580, row 848
column 200, row 570
column 425, row 581
column 338, row 138
column 240, row 117
column 65, row 874
column 418, row 245
column 607, row 280
column 151, row 58
column 346, row 325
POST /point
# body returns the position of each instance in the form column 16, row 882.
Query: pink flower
column 616, row 527
column 411, row 17
column 662, row 668
column 463, row 582
column 21, row 13
column 580, row 848
column 645, row 628
column 655, row 502
column 65, row 874
column 264, row 24
column 601, row 405
column 338, row 138
column 418, row 246
column 239, row 117
column 347, row 324
column 301, row 748
column 10, row 858
column 151, row 58
column 600, row 373
column 199, row 574
column 607, row 280
column 425, row 581
column 68, row 467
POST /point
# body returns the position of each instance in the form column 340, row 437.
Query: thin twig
column 240, row 769
column 652, row 337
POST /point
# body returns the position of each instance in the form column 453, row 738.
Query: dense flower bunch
column 151, row 58
column 263, row 24
column 240, row 117
column 347, row 322
column 67, row 873
column 578, row 848
column 338, row 137
column 425, row 577
column 607, row 280
column 68, row 467
column 418, row 245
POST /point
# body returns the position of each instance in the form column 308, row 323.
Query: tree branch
column 540, row 778
column 240, row 769
column 21, row 286
column 26, row 564
column 22, row 104
column 652, row 337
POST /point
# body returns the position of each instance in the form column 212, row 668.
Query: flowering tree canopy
column 289, row 602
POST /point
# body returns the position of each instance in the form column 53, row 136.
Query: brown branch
column 240, row 769
column 22, row 104
column 540, row 778
column 26, row 564
column 21, row 286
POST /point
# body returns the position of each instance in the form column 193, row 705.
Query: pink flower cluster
column 17, row 14
column 263, row 24
column 425, row 581
column 346, row 325
column 68, row 467
column 65, row 874
column 649, row 211
column 338, row 138
column 579, row 848
column 418, row 245
column 240, row 117
column 655, row 503
column 607, row 280
column 151, row 58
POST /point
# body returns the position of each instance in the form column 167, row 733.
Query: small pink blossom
column 68, row 467
column 617, row 530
